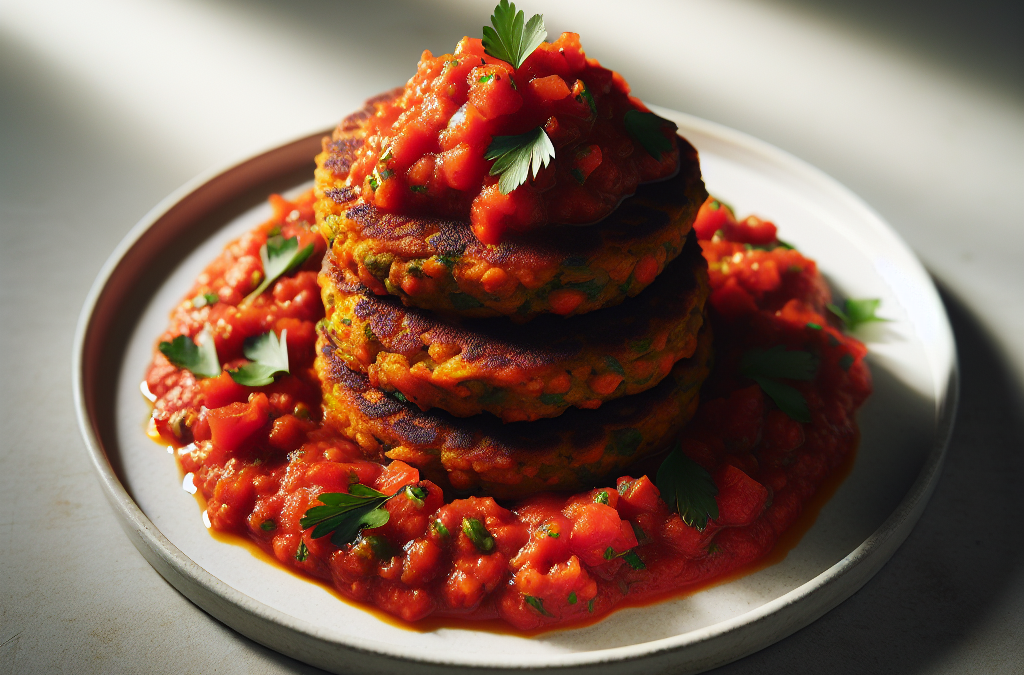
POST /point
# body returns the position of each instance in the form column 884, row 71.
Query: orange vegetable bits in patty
column 519, row 372
column 480, row 454
column 439, row 264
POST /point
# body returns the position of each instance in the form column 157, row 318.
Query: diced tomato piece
column 232, row 425
column 741, row 499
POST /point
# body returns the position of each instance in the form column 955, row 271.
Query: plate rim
column 322, row 647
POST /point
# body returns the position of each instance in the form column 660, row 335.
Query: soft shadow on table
column 944, row 584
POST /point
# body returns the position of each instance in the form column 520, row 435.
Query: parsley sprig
column 279, row 256
column 343, row 516
column 513, row 38
column 857, row 312
column 646, row 129
column 768, row 366
column 515, row 156
column 200, row 358
column 688, row 489
column 269, row 357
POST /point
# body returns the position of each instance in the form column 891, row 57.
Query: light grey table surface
column 108, row 106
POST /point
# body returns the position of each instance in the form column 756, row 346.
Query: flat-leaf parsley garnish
column 857, row 312
column 343, row 516
column 513, row 38
column 687, row 488
column 515, row 156
column 269, row 357
column 199, row 358
column 279, row 256
column 646, row 128
column 768, row 366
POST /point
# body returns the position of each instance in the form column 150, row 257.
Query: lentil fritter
column 439, row 264
column 481, row 455
column 519, row 372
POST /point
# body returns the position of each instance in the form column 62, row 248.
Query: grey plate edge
column 704, row 649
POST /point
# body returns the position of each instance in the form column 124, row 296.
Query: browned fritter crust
column 519, row 372
column 438, row 264
column 482, row 455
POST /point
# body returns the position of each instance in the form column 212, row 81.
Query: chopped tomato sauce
column 261, row 461
column 424, row 153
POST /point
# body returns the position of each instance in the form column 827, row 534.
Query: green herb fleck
column 624, row 442
column 269, row 357
column 400, row 396
column 268, row 525
column 572, row 598
column 646, row 129
column 302, row 552
column 768, row 366
column 590, row 605
column 578, row 175
column 553, row 399
column 440, row 529
column 448, row 261
column 516, row 156
column 415, row 494
column 419, row 189
column 687, row 488
column 813, row 326
column 641, row 536
column 633, row 560
column 478, row 534
column 204, row 299
column 347, row 322
column 601, row 497
column 279, row 256
column 537, row 604
column 198, row 358
column 614, row 365
column 512, row 38
column 857, row 312
column 464, row 301
column 641, row 346
column 845, row 361
column 486, row 78
column 587, row 99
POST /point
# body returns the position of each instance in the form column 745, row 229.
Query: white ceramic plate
column 905, row 427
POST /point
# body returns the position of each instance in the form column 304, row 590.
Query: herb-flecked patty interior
column 518, row 371
column 481, row 453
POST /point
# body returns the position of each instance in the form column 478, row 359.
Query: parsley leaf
column 279, row 256
column 857, row 312
column 513, row 38
column 646, row 129
column 199, row 359
column 687, row 488
column 537, row 604
column 269, row 357
column 343, row 516
column 515, row 156
column 767, row 366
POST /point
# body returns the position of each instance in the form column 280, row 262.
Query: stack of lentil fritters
column 546, row 362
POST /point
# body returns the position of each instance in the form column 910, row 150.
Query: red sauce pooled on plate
column 425, row 152
column 260, row 458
